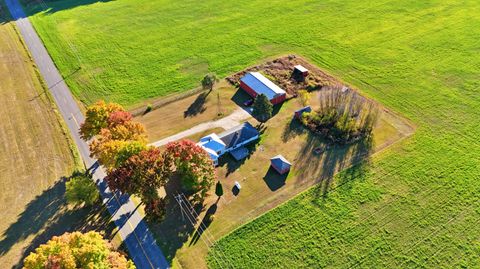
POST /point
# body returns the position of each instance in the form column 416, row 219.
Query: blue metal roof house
column 232, row 140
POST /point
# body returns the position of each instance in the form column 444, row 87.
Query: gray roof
column 262, row 85
column 280, row 162
column 238, row 134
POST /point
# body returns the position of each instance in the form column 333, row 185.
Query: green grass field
column 415, row 205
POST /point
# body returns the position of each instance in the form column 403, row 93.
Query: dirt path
column 228, row 122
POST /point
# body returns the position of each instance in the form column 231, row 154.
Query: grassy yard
column 414, row 205
column 35, row 156
column 185, row 113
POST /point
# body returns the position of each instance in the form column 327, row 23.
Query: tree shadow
column 32, row 7
column 274, row 180
column 198, row 106
column 48, row 215
column 205, row 223
column 175, row 229
column 293, row 129
column 323, row 167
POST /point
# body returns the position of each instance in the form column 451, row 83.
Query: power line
column 204, row 234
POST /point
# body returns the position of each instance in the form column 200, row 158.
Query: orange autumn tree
column 115, row 135
column 194, row 166
column 77, row 250
column 143, row 174
column 96, row 118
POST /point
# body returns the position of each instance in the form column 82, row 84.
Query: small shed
column 300, row 70
column 280, row 164
column 298, row 113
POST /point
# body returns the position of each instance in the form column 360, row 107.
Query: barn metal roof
column 262, row 85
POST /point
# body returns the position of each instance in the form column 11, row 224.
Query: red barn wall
column 249, row 90
column 253, row 94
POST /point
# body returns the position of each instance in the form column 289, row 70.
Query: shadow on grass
column 206, row 221
column 174, row 230
column 293, row 129
column 198, row 106
column 48, row 215
column 274, row 180
column 32, row 7
column 323, row 167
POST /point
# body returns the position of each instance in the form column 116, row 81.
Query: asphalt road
column 139, row 241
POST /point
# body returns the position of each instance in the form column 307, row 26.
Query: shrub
column 81, row 189
column 304, row 96
column 148, row 109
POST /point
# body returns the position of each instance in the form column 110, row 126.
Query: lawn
column 35, row 156
column 182, row 114
column 414, row 205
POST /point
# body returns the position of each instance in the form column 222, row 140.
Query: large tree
column 77, row 250
column 115, row 135
column 142, row 174
column 262, row 108
column 96, row 118
column 194, row 166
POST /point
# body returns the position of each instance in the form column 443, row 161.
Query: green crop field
column 416, row 205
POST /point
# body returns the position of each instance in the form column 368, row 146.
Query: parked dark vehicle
column 249, row 102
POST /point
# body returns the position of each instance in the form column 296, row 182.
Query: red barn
column 255, row 83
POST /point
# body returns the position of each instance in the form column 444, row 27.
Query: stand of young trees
column 344, row 116
column 120, row 145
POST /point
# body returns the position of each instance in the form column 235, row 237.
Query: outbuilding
column 299, row 69
column 255, row 83
column 298, row 113
column 280, row 164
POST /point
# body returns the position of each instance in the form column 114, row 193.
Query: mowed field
column 415, row 205
column 35, row 156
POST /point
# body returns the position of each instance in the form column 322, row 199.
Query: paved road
column 138, row 239
column 227, row 122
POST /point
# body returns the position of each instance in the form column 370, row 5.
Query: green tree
column 219, row 189
column 209, row 81
column 81, row 189
column 262, row 108
column 77, row 250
